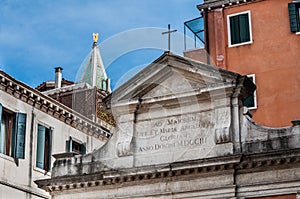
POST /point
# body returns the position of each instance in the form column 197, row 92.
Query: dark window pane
column 249, row 101
column 7, row 132
column 47, row 155
column 83, row 148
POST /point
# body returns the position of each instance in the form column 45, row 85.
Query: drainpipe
column 58, row 77
column 31, row 141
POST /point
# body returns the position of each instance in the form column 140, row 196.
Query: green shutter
column 20, row 136
column 234, row 30
column 244, row 28
column 294, row 17
column 2, row 136
column 40, row 146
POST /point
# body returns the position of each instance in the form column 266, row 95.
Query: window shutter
column 2, row 137
column 234, row 30
column 70, row 144
column 20, row 136
column 83, row 148
column 40, row 146
column 244, row 27
column 294, row 17
column 48, row 168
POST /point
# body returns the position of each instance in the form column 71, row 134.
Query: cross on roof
column 169, row 35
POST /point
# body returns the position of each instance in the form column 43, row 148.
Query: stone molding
column 130, row 176
column 51, row 107
column 187, row 169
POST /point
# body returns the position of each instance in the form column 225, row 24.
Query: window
column 12, row 133
column 239, row 29
column 294, row 15
column 251, row 101
column 75, row 146
column 43, row 154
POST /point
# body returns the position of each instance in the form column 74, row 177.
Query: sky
column 38, row 35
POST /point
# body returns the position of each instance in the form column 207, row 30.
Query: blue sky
column 36, row 35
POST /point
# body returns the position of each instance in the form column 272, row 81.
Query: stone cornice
column 181, row 170
column 213, row 4
column 264, row 160
column 157, row 173
column 51, row 107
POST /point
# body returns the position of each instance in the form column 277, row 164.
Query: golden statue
column 95, row 36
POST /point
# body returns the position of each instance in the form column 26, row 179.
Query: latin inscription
column 173, row 133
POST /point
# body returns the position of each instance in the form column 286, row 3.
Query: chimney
column 58, row 77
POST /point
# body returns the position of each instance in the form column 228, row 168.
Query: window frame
column 254, row 93
column 15, row 146
column 9, row 142
column 73, row 141
column 229, row 30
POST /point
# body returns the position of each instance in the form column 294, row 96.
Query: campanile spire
column 94, row 71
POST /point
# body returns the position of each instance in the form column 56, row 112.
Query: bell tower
column 94, row 71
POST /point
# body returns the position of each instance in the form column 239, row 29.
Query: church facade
column 182, row 132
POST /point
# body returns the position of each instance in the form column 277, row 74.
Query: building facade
column 259, row 38
column 38, row 127
column 182, row 132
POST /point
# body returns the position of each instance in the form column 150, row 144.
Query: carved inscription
column 173, row 133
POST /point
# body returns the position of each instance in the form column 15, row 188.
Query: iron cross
column 169, row 36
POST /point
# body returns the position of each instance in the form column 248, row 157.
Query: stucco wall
column 21, row 173
column 273, row 57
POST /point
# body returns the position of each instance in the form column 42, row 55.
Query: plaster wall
column 12, row 193
column 273, row 57
column 19, row 174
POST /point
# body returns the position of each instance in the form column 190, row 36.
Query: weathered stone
column 182, row 133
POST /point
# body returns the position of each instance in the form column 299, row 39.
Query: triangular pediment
column 174, row 110
column 172, row 85
column 171, row 74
